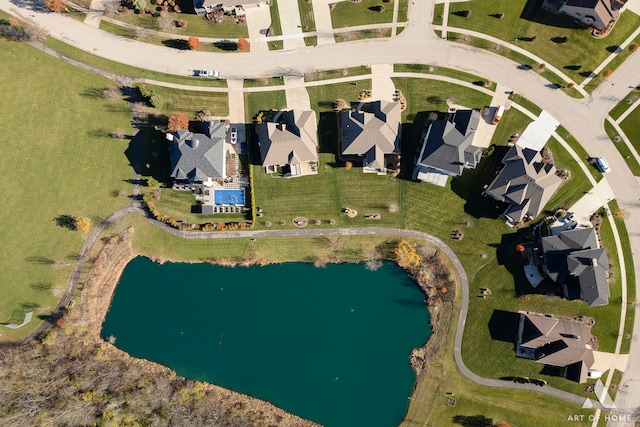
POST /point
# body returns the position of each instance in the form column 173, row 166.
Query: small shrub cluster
column 185, row 226
column 149, row 94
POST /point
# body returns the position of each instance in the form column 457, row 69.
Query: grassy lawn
column 267, row 81
column 362, row 34
column 336, row 74
column 575, row 187
column 403, row 10
column 322, row 97
column 577, row 55
column 190, row 102
column 624, row 105
column 630, row 127
column 513, row 121
column 442, row 71
column 254, row 102
column 615, row 63
column 275, row 19
column 197, row 26
column 580, row 151
column 307, row 20
column 177, row 204
column 63, row 163
column 127, row 70
column 438, row 12
column 524, row 102
column 430, row 95
column 631, row 275
column 348, row 14
column 311, row 40
column 624, row 150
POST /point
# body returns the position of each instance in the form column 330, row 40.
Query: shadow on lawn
column 472, row 420
column 534, row 12
column 503, row 326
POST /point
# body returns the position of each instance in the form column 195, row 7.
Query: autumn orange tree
column 178, row 121
column 55, row 5
column 243, row 44
column 502, row 424
column 83, row 224
column 407, row 255
column 193, row 43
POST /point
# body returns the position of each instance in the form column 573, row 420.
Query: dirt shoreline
column 105, row 274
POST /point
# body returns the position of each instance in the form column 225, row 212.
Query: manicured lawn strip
column 580, row 151
column 513, row 121
column 575, row 187
column 307, row 19
column 443, row 71
column 348, row 14
column 190, row 102
column 615, row 63
column 624, row 150
column 630, row 127
column 624, row 105
column 62, row 162
column 254, row 102
column 323, row 97
column 267, row 81
column 127, row 70
column 438, row 13
column 524, row 102
column 198, row 26
column 362, row 34
column 311, row 40
column 276, row 45
column 524, row 18
column 403, row 10
column 336, row 74
column 275, row 20
column 117, row 30
column 631, row 275
column 431, row 95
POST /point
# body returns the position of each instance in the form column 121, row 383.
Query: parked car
column 207, row 73
column 602, row 165
column 234, row 135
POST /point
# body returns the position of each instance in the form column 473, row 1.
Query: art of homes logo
column 603, row 397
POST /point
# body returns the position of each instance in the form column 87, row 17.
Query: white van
column 602, row 165
column 594, row 374
column 498, row 115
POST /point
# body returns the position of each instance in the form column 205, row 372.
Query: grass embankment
column 624, row 105
column 60, row 161
column 362, row 34
column 189, row 101
column 446, row 72
column 630, row 127
column 553, row 38
column 336, row 74
column 623, row 148
column 524, row 102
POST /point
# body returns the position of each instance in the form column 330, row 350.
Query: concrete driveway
column 258, row 21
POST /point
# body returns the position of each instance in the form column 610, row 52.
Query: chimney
column 594, row 262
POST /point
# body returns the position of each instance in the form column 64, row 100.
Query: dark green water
column 330, row 344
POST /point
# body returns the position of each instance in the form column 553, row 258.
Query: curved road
column 584, row 118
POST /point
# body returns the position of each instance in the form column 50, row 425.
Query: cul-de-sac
column 341, row 213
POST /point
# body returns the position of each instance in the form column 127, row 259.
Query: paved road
column 416, row 44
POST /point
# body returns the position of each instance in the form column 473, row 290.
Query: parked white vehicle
column 207, row 73
column 602, row 165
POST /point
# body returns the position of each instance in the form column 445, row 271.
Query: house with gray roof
column 525, row 183
column 574, row 260
column 563, row 343
column 198, row 158
column 369, row 133
column 596, row 14
column 289, row 139
column 447, row 145
column 205, row 6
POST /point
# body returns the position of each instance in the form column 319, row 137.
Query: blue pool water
column 228, row 197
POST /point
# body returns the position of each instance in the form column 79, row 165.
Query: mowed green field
column 58, row 159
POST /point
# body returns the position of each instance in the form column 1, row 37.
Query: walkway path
column 236, row 101
column 95, row 12
column 296, row 93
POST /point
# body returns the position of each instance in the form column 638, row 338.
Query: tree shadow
column 559, row 39
column 472, row 420
column 34, row 5
column 41, row 286
column 94, row 93
column 462, row 13
column 66, row 221
column 524, row 67
column 503, row 326
column 328, row 133
column 614, row 49
column 228, row 45
column 180, row 44
column 39, row 259
column 572, row 67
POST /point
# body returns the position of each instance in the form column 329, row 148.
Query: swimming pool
column 228, row 197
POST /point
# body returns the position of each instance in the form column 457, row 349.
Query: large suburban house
column 446, row 145
column 198, row 158
column 596, row 14
column 237, row 6
column 562, row 343
column 575, row 261
column 289, row 139
column 369, row 133
column 525, row 183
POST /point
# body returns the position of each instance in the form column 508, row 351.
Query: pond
column 328, row 344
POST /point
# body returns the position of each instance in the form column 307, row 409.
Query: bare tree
column 112, row 92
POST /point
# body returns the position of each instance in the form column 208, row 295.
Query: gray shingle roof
column 574, row 259
column 526, row 183
column 372, row 130
column 446, row 144
column 291, row 138
column 198, row 156
column 557, row 342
